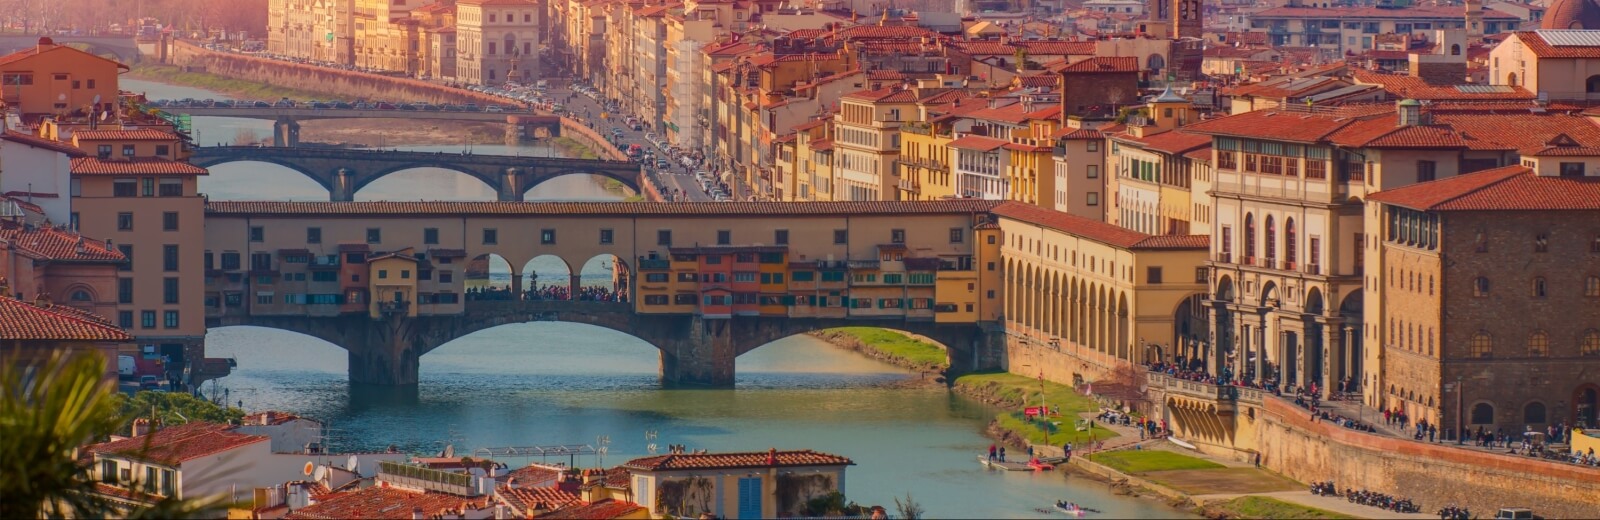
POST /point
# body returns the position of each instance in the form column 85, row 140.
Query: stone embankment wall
column 1435, row 475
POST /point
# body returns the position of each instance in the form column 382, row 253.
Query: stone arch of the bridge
column 490, row 176
column 527, row 178
column 521, row 247
column 313, row 171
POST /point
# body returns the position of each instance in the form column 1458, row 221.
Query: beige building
column 302, row 28
column 381, row 41
column 497, row 41
column 1557, row 63
column 1100, row 294
column 767, row 484
column 867, row 142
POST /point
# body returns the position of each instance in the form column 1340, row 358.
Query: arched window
column 1455, row 49
column 1271, row 250
column 1590, row 346
column 1483, row 413
column 1480, row 287
column 1482, row 345
column 1249, row 236
column 1533, row 413
column 1538, row 344
column 1289, row 241
column 1591, row 286
column 1511, row 79
column 1539, row 287
column 81, row 295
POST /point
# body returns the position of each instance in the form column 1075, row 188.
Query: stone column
column 286, row 132
column 510, row 188
column 699, row 352
column 1261, row 350
column 384, row 352
column 342, row 190
column 516, row 287
column 1242, row 352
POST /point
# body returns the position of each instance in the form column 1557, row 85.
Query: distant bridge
column 125, row 48
column 286, row 130
column 343, row 172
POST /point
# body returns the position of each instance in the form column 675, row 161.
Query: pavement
column 1305, row 498
column 674, row 178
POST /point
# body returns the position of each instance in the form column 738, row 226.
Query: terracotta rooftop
column 142, row 134
column 176, row 444
column 1508, row 188
column 1098, row 231
column 978, row 143
column 134, row 166
column 541, row 498
column 754, row 459
column 25, row 321
column 1413, row 12
column 1103, row 64
column 47, row 45
column 601, row 510
column 1173, row 142
column 1541, row 47
column 388, row 503
column 40, row 142
column 885, row 95
column 599, row 208
column 1070, row 133
column 1416, row 88
column 57, row 244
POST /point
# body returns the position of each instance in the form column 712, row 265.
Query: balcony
column 1313, row 269
column 654, row 264
column 391, row 308
column 1224, row 258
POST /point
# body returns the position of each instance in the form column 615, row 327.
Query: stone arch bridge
column 343, row 172
column 124, row 48
column 694, row 351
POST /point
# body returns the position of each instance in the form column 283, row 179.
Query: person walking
column 1002, row 454
column 991, row 452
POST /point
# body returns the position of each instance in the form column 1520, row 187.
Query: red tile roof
column 532, row 476
column 387, row 503
column 541, row 498
column 978, row 143
column 177, row 444
column 754, row 459
column 40, row 142
column 1522, row 131
column 885, row 95
column 1273, row 125
column 1173, row 142
column 57, row 244
column 1543, row 49
column 24, row 321
column 35, row 51
column 1416, row 88
column 142, row 134
column 1412, row 12
column 1103, row 64
column 733, row 209
column 134, row 166
column 1098, row 231
column 1508, row 188
column 1078, row 133
column 601, row 510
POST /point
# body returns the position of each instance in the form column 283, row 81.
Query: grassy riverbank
column 1265, row 507
column 889, row 346
column 1012, row 392
column 233, row 87
column 1144, row 461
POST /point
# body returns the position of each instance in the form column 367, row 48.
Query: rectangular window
column 170, row 319
column 655, row 299
column 169, row 257
column 1572, row 169
column 147, row 187
column 724, row 237
column 124, row 290
column 1316, row 169
column 258, row 234
column 125, row 188
column 127, row 252
column 547, row 236
column 663, row 237
column 780, row 237
column 430, row 236
column 1152, row 275
column 124, row 221
column 958, row 235
column 127, row 150
column 169, row 290
column 171, row 188
column 169, row 221
column 230, row 261
column 655, row 277
column 841, row 236
column 125, row 319
column 374, row 235
column 147, row 319
column 491, row 237
column 1093, row 172
column 1092, row 198
column 1426, row 170
column 163, row 150
column 606, row 236
column 313, row 235
column 446, row 276
column 897, row 236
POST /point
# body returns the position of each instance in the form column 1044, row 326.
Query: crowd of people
column 1311, row 403
column 1451, row 512
column 547, row 293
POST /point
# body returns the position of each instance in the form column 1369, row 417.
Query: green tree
column 175, row 408
column 47, row 410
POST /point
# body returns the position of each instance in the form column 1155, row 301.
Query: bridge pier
column 510, row 188
column 341, row 190
column 286, row 132
column 702, row 355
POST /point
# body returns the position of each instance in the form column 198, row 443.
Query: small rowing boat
column 1041, row 465
column 1074, row 509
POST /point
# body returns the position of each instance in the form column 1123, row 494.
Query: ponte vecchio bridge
column 703, row 282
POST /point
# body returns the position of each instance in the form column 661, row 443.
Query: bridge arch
column 535, row 179
column 549, row 270
column 361, row 180
column 325, row 181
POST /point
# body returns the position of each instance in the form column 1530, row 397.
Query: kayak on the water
column 1073, row 509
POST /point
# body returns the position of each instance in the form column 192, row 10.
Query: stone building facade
column 497, row 41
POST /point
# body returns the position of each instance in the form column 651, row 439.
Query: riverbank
column 1264, row 507
column 890, row 347
column 173, row 75
column 1012, row 392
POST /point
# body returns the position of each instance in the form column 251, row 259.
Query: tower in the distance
column 1188, row 50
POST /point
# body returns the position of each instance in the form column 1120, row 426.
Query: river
column 562, row 383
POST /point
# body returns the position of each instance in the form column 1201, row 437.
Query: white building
column 39, row 171
column 497, row 41
column 979, row 168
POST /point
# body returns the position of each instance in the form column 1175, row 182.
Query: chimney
column 42, row 300
column 45, row 43
column 772, row 456
column 141, row 426
column 1410, row 112
column 81, row 249
column 416, row 513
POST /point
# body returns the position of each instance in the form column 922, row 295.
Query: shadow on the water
column 365, row 397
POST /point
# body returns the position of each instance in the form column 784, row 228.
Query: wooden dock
column 1007, row 466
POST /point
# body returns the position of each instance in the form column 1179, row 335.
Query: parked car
column 384, row 105
column 493, row 108
column 149, row 383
